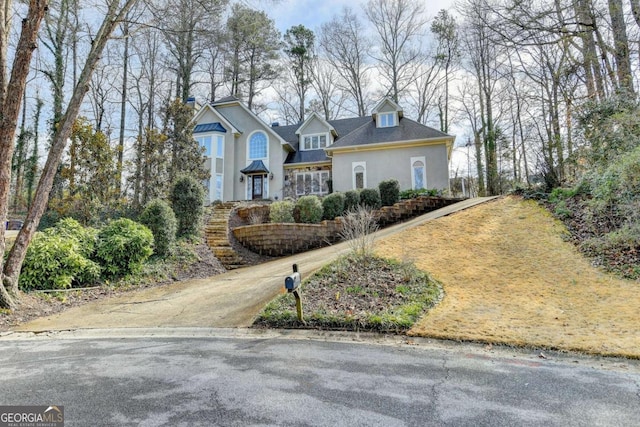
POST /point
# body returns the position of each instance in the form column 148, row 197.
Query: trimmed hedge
column 389, row 192
column 281, row 211
column 333, row 205
column 309, row 209
column 187, row 198
column 160, row 219
column 351, row 200
column 370, row 198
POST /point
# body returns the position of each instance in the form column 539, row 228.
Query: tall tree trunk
column 10, row 110
column 635, row 9
column 621, row 46
column 123, row 108
column 479, row 166
column 593, row 74
column 33, row 160
column 19, row 249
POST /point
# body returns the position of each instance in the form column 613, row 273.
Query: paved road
column 232, row 299
column 202, row 378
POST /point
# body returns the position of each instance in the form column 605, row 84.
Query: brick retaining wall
column 287, row 239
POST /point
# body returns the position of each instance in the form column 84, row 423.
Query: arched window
column 418, row 176
column 359, row 175
column 258, row 146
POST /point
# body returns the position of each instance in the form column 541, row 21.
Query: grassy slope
column 510, row 278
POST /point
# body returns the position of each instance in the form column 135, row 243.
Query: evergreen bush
column 333, row 205
column 85, row 236
column 187, row 198
column 160, row 219
column 389, row 192
column 281, row 211
column 58, row 258
column 351, row 200
column 123, row 246
column 370, row 198
column 309, row 209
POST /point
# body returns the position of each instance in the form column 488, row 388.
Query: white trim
column 413, row 160
column 392, row 114
column 383, row 101
column 264, row 159
column 354, row 165
column 327, row 141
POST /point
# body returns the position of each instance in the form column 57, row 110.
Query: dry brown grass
column 510, row 278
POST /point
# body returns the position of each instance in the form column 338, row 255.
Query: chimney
column 275, row 124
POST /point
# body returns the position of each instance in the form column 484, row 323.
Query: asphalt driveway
column 229, row 300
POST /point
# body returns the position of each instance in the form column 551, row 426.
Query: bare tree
column 344, row 44
column 445, row 29
column 112, row 16
column 483, row 60
column 399, row 24
column 184, row 25
column 621, row 46
column 11, row 94
column 330, row 96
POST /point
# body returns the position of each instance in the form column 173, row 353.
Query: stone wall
column 287, row 239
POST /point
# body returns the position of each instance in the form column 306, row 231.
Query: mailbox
column 292, row 282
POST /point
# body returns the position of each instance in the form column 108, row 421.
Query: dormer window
column 387, row 120
column 314, row 142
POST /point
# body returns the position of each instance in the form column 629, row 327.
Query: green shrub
column 187, row 198
column 85, row 236
column 160, row 219
column 281, row 211
column 56, row 262
column 333, row 205
column 389, row 192
column 309, row 209
column 412, row 194
column 370, row 198
column 351, row 200
column 123, row 246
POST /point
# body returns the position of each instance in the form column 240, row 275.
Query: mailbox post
column 292, row 285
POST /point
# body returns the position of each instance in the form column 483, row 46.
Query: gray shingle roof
column 356, row 131
column 407, row 130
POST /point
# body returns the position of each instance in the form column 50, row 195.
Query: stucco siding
column 392, row 164
column 313, row 127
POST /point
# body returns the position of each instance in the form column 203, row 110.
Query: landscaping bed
column 357, row 293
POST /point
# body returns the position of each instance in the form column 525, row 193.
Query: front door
column 258, row 187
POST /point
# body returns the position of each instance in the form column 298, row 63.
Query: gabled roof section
column 341, row 126
column 407, row 130
column 386, row 102
column 230, row 101
column 315, row 116
column 209, row 127
column 226, row 124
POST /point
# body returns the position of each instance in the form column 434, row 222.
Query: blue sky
column 313, row 13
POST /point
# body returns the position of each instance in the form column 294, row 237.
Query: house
column 249, row 159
